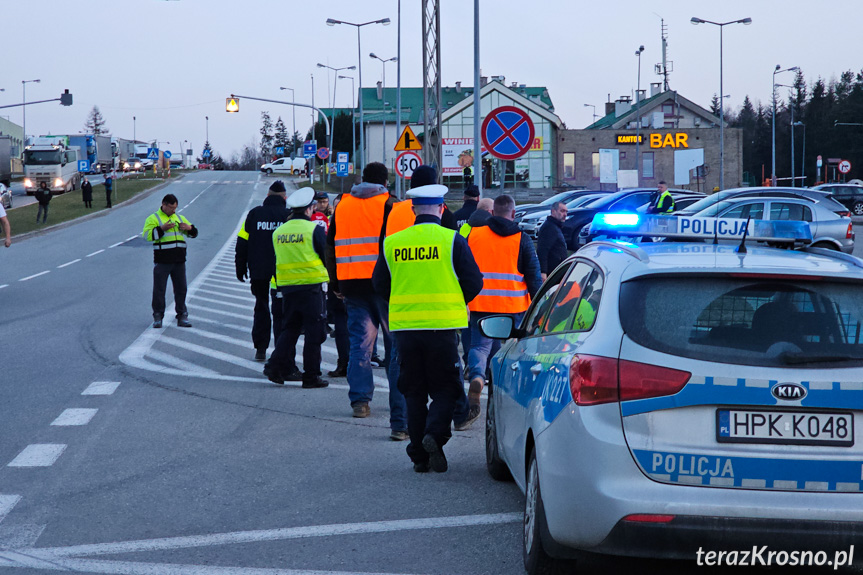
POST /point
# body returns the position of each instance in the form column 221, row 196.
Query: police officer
column 661, row 201
column 255, row 259
column 471, row 200
column 428, row 274
column 168, row 231
column 299, row 246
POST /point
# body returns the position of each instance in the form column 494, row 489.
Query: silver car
column 532, row 221
column 5, row 196
column 673, row 399
column 829, row 230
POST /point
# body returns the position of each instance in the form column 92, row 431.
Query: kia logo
column 789, row 391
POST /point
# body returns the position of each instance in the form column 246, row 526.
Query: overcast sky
column 171, row 63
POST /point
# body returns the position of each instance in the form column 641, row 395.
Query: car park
column 567, row 196
column 660, row 399
column 817, row 196
column 532, row 221
column 849, row 195
column 5, row 196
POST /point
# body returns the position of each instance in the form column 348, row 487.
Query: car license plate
column 786, row 427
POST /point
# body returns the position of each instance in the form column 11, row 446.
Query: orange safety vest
column 503, row 287
column 401, row 217
column 358, row 231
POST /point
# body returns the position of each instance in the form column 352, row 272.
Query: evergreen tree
column 266, row 136
column 281, row 136
column 714, row 105
column 206, row 158
column 95, row 123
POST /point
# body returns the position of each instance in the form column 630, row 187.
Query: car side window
column 541, row 305
column 754, row 211
column 788, row 211
column 560, row 315
column 630, row 202
column 279, row 162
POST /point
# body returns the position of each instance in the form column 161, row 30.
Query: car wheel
column 269, row 172
column 495, row 465
column 857, row 208
column 536, row 560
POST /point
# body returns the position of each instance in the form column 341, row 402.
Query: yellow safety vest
column 659, row 202
column 173, row 238
column 297, row 262
column 425, row 293
column 464, row 230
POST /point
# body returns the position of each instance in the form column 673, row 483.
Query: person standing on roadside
column 87, row 193
column 43, row 196
column 338, row 316
column 471, row 201
column 7, row 229
column 255, row 259
column 551, row 245
column 109, row 188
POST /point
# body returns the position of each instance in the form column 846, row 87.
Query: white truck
column 51, row 160
column 293, row 167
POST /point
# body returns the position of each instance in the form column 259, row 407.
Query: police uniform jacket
column 254, row 250
column 463, row 214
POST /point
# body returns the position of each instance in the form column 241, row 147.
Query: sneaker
column 437, row 460
column 183, row 322
column 376, row 361
column 421, row 467
column 273, row 374
column 362, row 410
column 472, row 416
column 340, row 371
column 157, row 324
column 295, row 375
column 397, row 435
column 315, row 383
column 261, row 354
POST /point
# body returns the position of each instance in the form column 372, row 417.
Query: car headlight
column 58, row 183
column 28, row 183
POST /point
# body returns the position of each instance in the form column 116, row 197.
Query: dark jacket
column 319, row 243
column 43, row 196
column 447, row 220
column 478, row 219
column 551, row 245
column 87, row 192
column 354, row 287
column 528, row 264
column 109, row 184
column 469, row 276
column 463, row 213
column 255, row 251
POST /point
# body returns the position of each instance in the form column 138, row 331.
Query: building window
column 647, row 164
column 569, row 166
column 595, row 161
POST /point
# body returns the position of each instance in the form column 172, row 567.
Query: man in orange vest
column 353, row 243
column 510, row 269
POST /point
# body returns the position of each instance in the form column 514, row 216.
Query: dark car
column 848, row 195
column 564, row 197
column 817, row 196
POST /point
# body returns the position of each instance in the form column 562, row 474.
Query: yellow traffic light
column 232, row 104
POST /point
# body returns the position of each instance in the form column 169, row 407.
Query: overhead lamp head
column 331, row 22
column 794, row 69
column 394, row 59
column 321, row 66
column 778, row 67
column 385, row 21
column 746, row 21
column 695, row 20
column 373, row 55
column 350, row 68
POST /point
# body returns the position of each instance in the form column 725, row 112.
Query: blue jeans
column 367, row 314
column 482, row 347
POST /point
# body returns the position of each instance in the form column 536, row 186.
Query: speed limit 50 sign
column 406, row 163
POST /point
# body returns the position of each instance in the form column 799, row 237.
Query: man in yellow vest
column 661, row 201
column 300, row 275
column 428, row 274
column 168, row 231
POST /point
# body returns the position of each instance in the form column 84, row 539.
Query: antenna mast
column 666, row 67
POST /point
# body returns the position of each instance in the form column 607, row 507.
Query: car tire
column 494, row 464
column 536, row 560
column 269, row 172
column 857, row 208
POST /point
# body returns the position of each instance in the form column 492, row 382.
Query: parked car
column 849, row 195
column 5, row 196
column 829, row 230
column 133, row 165
column 817, row 196
column 285, row 166
column 532, row 221
column 564, row 197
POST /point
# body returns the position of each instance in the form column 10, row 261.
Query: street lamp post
column 776, row 70
column 333, row 108
column 385, row 22
column 594, row 110
column 746, row 22
column 134, row 130
column 384, row 99
column 353, row 122
column 638, row 115
column 803, row 155
column 24, row 105
column 293, row 116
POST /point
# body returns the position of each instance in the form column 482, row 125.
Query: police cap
column 302, row 198
column 427, row 195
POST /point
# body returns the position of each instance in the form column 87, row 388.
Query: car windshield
column 555, row 198
column 711, row 211
column 777, row 322
column 41, row 157
column 708, row 201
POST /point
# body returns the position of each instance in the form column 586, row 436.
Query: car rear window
column 747, row 321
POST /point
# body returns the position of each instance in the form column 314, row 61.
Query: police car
column 674, row 397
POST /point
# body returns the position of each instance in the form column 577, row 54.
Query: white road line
column 226, row 357
column 131, row 238
column 34, row 276
column 101, row 388
column 7, row 502
column 94, row 253
column 242, row 328
column 224, row 284
column 117, row 244
column 38, row 455
column 205, row 309
column 69, row 263
column 245, row 298
column 75, row 416
column 4, row 285
column 244, row 343
column 211, row 300
column 176, row 362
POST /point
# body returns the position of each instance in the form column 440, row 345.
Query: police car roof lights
column 699, row 228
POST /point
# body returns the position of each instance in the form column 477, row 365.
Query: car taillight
column 594, row 380
column 850, row 233
column 843, row 214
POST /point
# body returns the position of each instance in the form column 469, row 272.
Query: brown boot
column 475, row 390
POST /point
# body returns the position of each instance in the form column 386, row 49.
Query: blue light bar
column 614, row 220
column 699, row 228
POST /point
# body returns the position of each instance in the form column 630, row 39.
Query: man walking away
column 299, row 245
column 255, row 259
column 87, row 192
column 43, row 196
column 109, row 189
column 428, row 274
column 551, row 245
column 471, row 200
column 168, row 231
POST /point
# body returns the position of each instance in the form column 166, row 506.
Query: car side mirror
column 497, row 326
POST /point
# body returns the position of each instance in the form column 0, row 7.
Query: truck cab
column 53, row 161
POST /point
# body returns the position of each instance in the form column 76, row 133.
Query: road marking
column 245, row 298
column 242, row 328
column 131, row 238
column 211, row 300
column 117, row 244
column 226, row 357
column 176, row 362
column 7, row 502
column 75, row 416
column 34, row 276
column 101, row 388
column 38, row 455
column 94, row 253
column 69, row 263
column 4, row 285
column 219, row 312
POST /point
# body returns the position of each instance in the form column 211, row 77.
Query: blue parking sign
column 342, row 169
column 310, row 149
column 83, row 165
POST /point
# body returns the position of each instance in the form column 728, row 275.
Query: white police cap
column 428, row 195
column 302, row 198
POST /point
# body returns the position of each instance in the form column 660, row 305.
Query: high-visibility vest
column 464, row 230
column 401, row 217
column 425, row 293
column 173, row 238
column 659, row 200
column 297, row 262
column 503, row 287
column 358, row 231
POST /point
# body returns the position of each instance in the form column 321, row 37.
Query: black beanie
column 278, row 187
column 423, row 176
column 472, row 191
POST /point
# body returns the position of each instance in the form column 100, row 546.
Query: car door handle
column 514, row 366
column 536, row 368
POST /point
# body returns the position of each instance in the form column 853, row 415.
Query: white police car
column 671, row 399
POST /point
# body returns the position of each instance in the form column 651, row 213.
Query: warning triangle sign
column 408, row 142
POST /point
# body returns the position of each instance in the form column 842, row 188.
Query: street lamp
column 134, row 130
column 353, row 121
column 294, row 118
column 594, row 110
column 24, row 105
column 792, row 135
column 385, row 22
column 776, row 70
column 384, row 99
column 638, row 115
column 745, row 22
column 803, row 155
column 333, row 109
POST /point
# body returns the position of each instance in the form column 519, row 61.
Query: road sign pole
column 477, row 115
